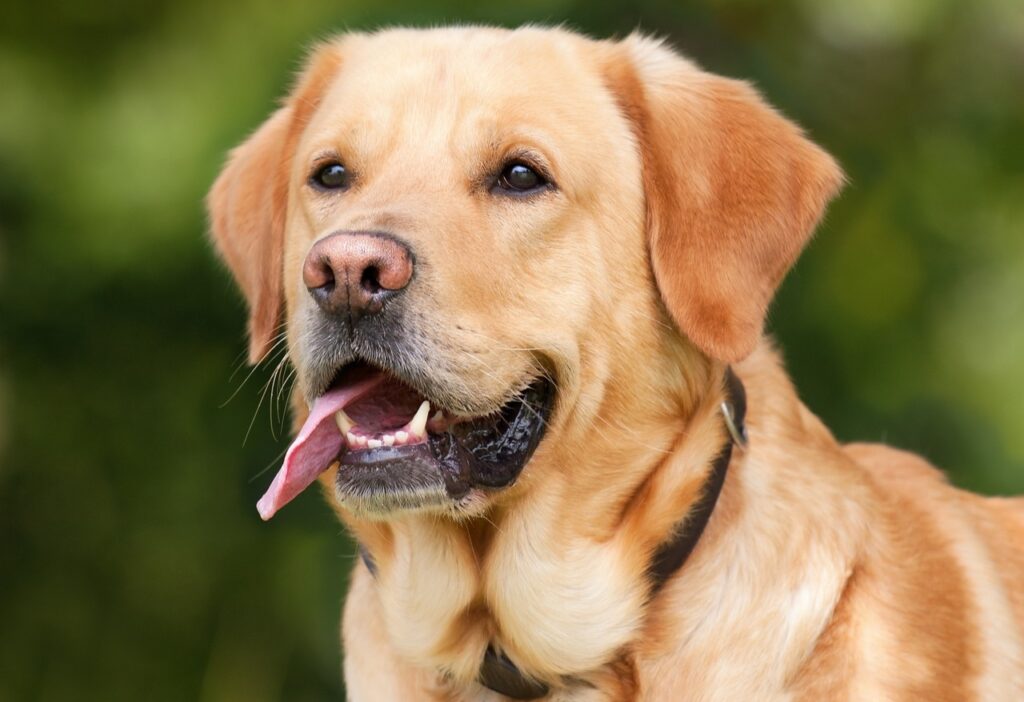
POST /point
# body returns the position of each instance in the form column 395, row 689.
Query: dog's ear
column 734, row 191
column 248, row 202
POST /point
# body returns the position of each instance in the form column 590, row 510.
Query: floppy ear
column 248, row 202
column 734, row 191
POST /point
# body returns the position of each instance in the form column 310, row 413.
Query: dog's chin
column 451, row 465
column 393, row 483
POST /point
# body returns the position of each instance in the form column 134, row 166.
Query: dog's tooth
column 362, row 441
column 374, row 443
column 418, row 424
column 401, row 437
column 438, row 416
column 343, row 421
column 388, row 439
column 352, row 439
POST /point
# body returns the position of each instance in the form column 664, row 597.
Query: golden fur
column 826, row 571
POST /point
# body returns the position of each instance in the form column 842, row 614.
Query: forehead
column 424, row 87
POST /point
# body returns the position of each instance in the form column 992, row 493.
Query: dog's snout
column 353, row 273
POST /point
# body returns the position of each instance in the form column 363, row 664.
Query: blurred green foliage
column 132, row 562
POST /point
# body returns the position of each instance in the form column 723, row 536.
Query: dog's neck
column 500, row 674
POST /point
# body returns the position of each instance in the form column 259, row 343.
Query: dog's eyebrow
column 325, row 154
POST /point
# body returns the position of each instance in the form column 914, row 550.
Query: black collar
column 500, row 674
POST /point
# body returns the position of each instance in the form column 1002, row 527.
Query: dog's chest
column 553, row 613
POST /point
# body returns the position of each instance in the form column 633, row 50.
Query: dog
column 524, row 276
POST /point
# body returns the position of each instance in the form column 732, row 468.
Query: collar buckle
column 737, row 432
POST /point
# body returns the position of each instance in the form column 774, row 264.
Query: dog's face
column 499, row 248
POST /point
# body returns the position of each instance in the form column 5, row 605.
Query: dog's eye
column 331, row 177
column 520, row 178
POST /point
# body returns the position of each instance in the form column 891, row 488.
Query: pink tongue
column 317, row 445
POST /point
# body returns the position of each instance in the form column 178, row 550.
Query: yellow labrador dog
column 524, row 276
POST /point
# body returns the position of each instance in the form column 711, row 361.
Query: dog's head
column 494, row 246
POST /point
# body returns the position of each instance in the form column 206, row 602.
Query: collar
column 500, row 674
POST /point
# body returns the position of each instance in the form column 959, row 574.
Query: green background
column 132, row 563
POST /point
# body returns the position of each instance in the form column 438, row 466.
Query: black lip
column 489, row 452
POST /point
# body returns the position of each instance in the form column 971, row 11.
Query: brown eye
column 520, row 178
column 331, row 177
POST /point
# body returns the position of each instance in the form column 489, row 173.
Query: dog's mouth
column 398, row 450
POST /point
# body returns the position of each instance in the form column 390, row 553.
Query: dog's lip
column 367, row 414
column 482, row 453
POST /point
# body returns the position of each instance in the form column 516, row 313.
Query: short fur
column 826, row 572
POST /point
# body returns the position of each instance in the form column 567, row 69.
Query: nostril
column 370, row 280
column 327, row 280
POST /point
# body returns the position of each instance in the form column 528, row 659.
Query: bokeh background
column 132, row 563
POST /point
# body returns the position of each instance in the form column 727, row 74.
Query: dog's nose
column 353, row 273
